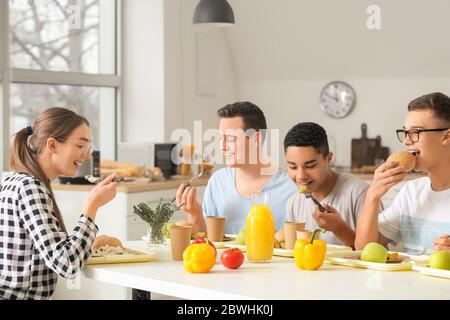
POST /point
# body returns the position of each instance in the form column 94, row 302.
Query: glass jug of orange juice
column 259, row 229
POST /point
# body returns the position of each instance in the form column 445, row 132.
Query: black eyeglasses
column 413, row 134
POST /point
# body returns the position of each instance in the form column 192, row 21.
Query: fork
column 423, row 250
column 187, row 184
column 309, row 196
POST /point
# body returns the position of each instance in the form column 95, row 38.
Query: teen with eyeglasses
column 35, row 246
column 419, row 216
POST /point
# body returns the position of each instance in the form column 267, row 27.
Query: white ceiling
column 277, row 40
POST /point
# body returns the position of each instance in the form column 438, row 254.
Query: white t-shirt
column 347, row 197
column 417, row 216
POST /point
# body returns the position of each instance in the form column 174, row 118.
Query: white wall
column 286, row 51
column 279, row 55
column 162, row 53
column 201, row 75
column 297, row 39
column 381, row 103
column 142, row 116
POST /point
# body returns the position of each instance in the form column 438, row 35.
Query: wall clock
column 337, row 99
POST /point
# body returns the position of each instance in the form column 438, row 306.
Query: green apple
column 241, row 237
column 440, row 260
column 374, row 252
column 166, row 228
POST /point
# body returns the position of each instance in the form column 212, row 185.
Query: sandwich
column 105, row 245
column 404, row 158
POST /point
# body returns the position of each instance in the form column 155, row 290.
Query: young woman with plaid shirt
column 35, row 246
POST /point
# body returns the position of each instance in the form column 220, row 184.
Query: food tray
column 129, row 257
column 426, row 270
column 344, row 258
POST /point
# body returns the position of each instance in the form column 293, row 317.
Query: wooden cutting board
column 361, row 150
column 364, row 149
column 367, row 153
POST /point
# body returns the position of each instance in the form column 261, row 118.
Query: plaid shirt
column 33, row 248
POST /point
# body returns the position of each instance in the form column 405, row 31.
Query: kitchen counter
column 369, row 176
column 279, row 279
column 140, row 185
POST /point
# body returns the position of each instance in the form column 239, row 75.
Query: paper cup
column 306, row 234
column 180, row 239
column 289, row 233
column 215, row 227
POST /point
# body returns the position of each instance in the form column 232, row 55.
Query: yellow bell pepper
column 310, row 254
column 199, row 258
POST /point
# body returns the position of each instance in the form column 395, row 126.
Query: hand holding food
column 386, row 176
column 404, row 159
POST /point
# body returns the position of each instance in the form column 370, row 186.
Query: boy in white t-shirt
column 308, row 158
column 419, row 216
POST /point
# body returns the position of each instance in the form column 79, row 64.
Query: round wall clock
column 337, row 99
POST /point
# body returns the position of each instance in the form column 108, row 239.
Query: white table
column 279, row 279
column 116, row 219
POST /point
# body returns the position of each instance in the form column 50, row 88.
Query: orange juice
column 259, row 233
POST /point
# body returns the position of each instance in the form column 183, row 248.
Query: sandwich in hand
column 404, row 158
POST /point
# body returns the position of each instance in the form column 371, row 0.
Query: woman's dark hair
column 438, row 102
column 56, row 123
column 308, row 134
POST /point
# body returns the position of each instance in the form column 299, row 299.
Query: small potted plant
column 156, row 217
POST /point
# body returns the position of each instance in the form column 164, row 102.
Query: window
column 60, row 53
column 94, row 103
column 61, row 35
